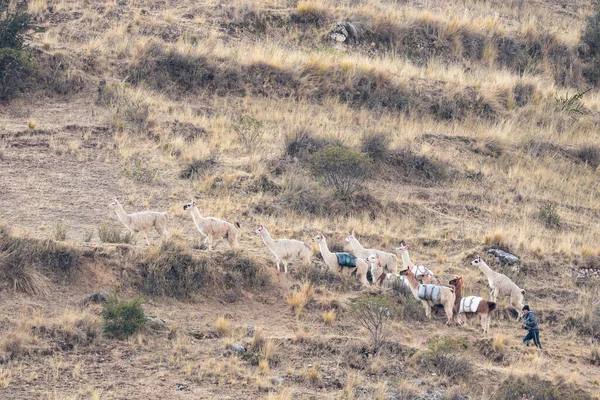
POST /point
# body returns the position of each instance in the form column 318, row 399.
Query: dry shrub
column 442, row 356
column 372, row 313
column 23, row 261
column 284, row 394
column 376, row 146
column 405, row 308
column 589, row 155
column 300, row 298
column 310, row 13
column 533, row 386
column 500, row 342
column 313, row 376
column 198, row 167
column 223, row 326
column 302, row 195
column 112, row 234
column 407, row 166
column 14, row 344
column 302, row 144
column 496, row 238
column 328, row 317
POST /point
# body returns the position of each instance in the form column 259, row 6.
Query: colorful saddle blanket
column 469, row 304
column 430, row 292
column 346, row 260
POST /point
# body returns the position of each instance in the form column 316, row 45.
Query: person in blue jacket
column 530, row 323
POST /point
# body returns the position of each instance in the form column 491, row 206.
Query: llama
column 389, row 261
column 431, row 295
column 285, row 249
column 422, row 273
column 213, row 227
column 377, row 271
column 471, row 306
column 501, row 284
column 142, row 221
column 343, row 261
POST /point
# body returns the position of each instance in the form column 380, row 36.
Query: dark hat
column 525, row 308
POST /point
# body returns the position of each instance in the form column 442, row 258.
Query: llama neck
column 413, row 284
column 485, row 269
column 458, row 292
column 196, row 216
column 266, row 237
column 123, row 216
column 328, row 256
column 356, row 246
column 406, row 259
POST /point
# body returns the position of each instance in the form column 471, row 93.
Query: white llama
column 213, row 227
column 142, row 221
column 389, row 261
column 422, row 273
column 501, row 284
column 342, row 262
column 380, row 276
column 285, row 250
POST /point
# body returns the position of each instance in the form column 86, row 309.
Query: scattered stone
column 98, row 297
column 504, row 258
column 277, row 380
column 181, row 386
column 238, row 348
column 155, row 320
column 250, row 331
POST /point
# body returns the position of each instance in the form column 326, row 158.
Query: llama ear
column 352, row 231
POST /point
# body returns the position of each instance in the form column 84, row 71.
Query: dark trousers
column 535, row 335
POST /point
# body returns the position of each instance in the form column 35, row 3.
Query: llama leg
column 449, row 314
column 427, row 309
column 146, row 236
column 285, row 264
column 209, row 240
column 278, row 268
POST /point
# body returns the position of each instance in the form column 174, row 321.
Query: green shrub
column 122, row 318
column 407, row 307
column 15, row 25
column 590, row 37
column 111, row 234
column 548, row 215
column 533, row 386
column 16, row 71
column 341, row 169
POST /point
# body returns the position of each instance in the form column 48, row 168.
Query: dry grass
column 223, row 326
column 300, row 298
column 328, row 317
column 500, row 342
column 31, row 124
column 313, row 376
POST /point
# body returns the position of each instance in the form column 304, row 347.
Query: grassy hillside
column 461, row 125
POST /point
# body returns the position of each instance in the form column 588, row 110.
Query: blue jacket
column 530, row 322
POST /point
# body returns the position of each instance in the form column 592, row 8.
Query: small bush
column 590, row 37
column 122, row 318
column 88, row 236
column 111, row 234
column 16, row 25
column 198, row 167
column 244, row 273
column 313, row 376
column 341, row 169
column 249, row 132
column 328, row 317
column 372, row 314
column 60, row 232
column 311, row 14
column 376, row 147
column 496, row 238
column 16, row 71
column 589, row 155
column 548, row 215
column 532, row 385
column 303, row 196
column 441, row 356
column 302, row 144
column 222, row 326
column 172, row 271
column 406, row 307
column 140, row 172
column 407, row 165
column 300, row 298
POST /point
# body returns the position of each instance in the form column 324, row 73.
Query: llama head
column 189, row 206
column 456, row 282
column 407, row 272
column 349, row 237
column 260, row 229
column 373, row 259
column 115, row 204
column 403, row 247
column 319, row 238
column 476, row 261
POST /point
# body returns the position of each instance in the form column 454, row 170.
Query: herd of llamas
column 370, row 266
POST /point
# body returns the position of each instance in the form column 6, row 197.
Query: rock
column 181, row 386
column 238, row 348
column 249, row 331
column 98, row 297
column 155, row 320
column 277, row 380
column 504, row 257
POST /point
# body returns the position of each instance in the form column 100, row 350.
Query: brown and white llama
column 422, row 273
column 285, row 250
column 380, row 276
column 342, row 262
column 213, row 227
column 471, row 306
column 431, row 295
column 501, row 284
column 142, row 221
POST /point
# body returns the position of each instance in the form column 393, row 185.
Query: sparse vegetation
column 441, row 355
column 109, row 233
column 222, row 326
column 532, row 385
column 548, row 215
column 372, row 313
column 60, row 232
column 198, row 167
column 249, row 132
column 341, row 169
column 122, row 318
column 328, row 317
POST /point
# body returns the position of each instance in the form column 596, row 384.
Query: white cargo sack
column 469, row 304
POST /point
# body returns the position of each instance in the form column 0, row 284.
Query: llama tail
column 491, row 305
column 237, row 224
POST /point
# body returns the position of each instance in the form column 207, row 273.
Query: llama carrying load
column 430, row 293
column 469, row 304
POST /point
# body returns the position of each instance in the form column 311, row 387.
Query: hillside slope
column 475, row 129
